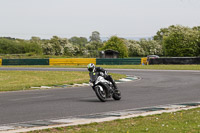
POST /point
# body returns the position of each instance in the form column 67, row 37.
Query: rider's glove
column 106, row 73
column 102, row 74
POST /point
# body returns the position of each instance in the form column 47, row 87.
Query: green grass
column 177, row 122
column 156, row 67
column 23, row 80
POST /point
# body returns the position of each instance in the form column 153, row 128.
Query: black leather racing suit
column 106, row 76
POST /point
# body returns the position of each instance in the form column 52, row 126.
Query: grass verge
column 156, row 67
column 23, row 80
column 177, row 122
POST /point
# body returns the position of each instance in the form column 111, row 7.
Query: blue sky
column 67, row 18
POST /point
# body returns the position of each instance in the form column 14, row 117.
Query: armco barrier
column 119, row 61
column 175, row 60
column 72, row 61
column 25, row 61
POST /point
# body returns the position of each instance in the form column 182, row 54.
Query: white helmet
column 91, row 67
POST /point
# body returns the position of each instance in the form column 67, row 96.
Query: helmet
column 91, row 67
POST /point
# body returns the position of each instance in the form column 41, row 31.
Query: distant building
column 109, row 54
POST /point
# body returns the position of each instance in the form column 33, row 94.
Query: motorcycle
column 103, row 88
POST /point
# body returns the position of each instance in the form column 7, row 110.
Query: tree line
column 176, row 40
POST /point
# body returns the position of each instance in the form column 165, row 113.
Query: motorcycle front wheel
column 101, row 93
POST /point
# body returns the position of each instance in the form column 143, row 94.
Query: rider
column 91, row 68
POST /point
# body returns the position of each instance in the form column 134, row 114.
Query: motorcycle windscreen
column 93, row 76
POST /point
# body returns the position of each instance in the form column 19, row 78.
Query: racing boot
column 114, row 85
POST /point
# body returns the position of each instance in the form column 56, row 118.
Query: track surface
column 155, row 88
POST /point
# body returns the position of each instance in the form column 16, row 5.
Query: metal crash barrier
column 72, row 61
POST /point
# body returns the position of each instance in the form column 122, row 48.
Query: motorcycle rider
column 91, row 68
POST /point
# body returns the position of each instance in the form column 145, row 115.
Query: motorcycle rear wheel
column 116, row 95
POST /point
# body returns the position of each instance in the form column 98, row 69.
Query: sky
column 67, row 18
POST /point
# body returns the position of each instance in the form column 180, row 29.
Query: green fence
column 25, row 61
column 119, row 61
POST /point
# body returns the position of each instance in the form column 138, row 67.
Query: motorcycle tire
column 117, row 95
column 101, row 93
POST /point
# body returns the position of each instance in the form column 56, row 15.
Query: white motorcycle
column 103, row 88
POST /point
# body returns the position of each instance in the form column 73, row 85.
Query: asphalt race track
column 156, row 87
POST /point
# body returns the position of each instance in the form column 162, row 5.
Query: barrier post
column 144, row 61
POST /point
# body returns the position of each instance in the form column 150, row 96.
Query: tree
column 134, row 48
column 95, row 37
column 9, row 46
column 70, row 50
column 48, row 48
column 55, row 41
column 94, row 45
column 182, row 41
column 79, row 41
column 151, row 47
column 160, row 35
column 93, row 48
column 35, row 39
column 117, row 44
column 18, row 46
column 197, row 29
column 55, row 46
column 179, row 40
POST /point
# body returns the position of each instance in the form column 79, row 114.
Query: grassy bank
column 23, row 80
column 156, row 67
column 178, row 122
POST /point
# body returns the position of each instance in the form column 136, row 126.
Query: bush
column 8, row 46
column 116, row 44
column 179, row 40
